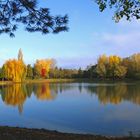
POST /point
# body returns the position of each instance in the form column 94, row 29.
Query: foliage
column 102, row 65
column 42, row 67
column 2, row 73
column 14, row 12
column 110, row 67
column 113, row 64
column 133, row 65
column 114, row 67
column 62, row 73
column 14, row 70
column 107, row 67
column 38, row 19
column 123, row 8
column 120, row 71
column 80, row 73
column 29, row 71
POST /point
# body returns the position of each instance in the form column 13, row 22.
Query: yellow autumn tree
column 14, row 69
column 102, row 66
column 42, row 67
column 133, row 65
column 115, row 67
column 110, row 67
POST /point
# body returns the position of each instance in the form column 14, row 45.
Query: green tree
column 53, row 73
column 80, row 73
column 53, row 69
column 29, row 71
column 2, row 73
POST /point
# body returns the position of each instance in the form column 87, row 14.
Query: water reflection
column 115, row 94
column 15, row 95
column 42, row 92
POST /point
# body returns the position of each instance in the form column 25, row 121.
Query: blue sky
column 91, row 34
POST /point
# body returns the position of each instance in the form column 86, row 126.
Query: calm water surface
column 94, row 108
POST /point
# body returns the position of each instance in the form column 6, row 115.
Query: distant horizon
column 69, row 61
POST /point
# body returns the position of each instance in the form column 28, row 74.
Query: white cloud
column 130, row 24
column 131, row 39
column 123, row 41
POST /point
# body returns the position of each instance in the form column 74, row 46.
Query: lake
column 93, row 108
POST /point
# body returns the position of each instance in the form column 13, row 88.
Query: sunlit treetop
column 123, row 8
column 34, row 18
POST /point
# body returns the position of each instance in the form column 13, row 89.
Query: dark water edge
column 16, row 133
column 80, row 80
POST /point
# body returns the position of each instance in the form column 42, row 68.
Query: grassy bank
column 39, row 81
column 69, row 80
column 14, row 133
column 5, row 82
column 49, row 80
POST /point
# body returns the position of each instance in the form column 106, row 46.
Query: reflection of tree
column 80, row 87
column 65, row 86
column 42, row 92
column 133, row 94
column 29, row 89
column 14, row 95
column 48, row 91
column 115, row 94
column 112, row 94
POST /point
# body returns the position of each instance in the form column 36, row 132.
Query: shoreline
column 30, row 81
column 16, row 133
column 38, row 81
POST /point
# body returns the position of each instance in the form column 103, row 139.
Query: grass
column 68, row 80
column 40, row 81
column 48, row 80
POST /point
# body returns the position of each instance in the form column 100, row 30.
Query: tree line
column 15, row 70
column 113, row 67
column 107, row 67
